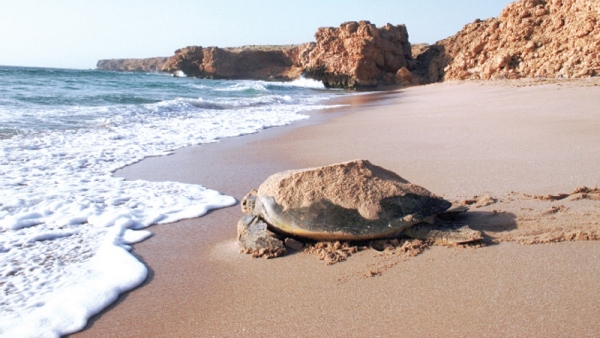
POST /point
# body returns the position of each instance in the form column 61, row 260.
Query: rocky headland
column 355, row 55
column 248, row 62
column 530, row 38
column 133, row 65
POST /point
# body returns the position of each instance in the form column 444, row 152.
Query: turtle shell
column 348, row 201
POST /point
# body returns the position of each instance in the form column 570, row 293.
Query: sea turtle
column 353, row 201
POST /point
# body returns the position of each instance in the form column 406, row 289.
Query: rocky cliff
column 248, row 62
column 530, row 38
column 358, row 54
column 132, row 65
column 355, row 55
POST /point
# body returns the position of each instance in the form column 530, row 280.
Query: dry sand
column 499, row 147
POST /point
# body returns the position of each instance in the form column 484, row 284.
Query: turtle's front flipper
column 255, row 239
column 442, row 235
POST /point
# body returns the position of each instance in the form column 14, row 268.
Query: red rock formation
column 358, row 54
column 530, row 38
column 186, row 59
column 248, row 62
column 132, row 65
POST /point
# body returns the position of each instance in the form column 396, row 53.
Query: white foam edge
column 307, row 83
column 179, row 73
column 112, row 271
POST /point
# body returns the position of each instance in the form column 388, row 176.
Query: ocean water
column 66, row 224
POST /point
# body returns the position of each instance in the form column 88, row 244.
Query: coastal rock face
column 248, row 62
column 429, row 63
column 186, row 59
column 530, row 38
column 132, row 65
column 358, row 54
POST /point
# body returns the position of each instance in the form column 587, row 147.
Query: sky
column 78, row 33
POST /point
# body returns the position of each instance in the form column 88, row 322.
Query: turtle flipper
column 255, row 239
column 442, row 235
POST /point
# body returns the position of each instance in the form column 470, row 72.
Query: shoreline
column 199, row 285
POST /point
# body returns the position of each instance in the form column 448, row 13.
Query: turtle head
column 249, row 201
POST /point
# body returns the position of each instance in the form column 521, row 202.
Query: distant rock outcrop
column 133, row 65
column 530, row 38
column 358, row 54
column 248, row 62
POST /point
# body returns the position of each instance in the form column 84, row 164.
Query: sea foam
column 66, row 223
column 307, row 83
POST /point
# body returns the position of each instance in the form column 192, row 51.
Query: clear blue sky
column 76, row 33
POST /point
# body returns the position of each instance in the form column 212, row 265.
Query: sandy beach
column 509, row 149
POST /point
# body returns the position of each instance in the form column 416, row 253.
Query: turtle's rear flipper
column 453, row 213
column 442, row 235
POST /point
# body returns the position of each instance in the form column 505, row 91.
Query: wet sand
column 506, row 141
